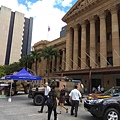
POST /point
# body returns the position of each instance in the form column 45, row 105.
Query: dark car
column 106, row 105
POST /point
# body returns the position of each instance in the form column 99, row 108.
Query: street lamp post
column 89, row 80
column 61, row 74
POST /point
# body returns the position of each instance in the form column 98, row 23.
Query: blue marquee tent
column 22, row 75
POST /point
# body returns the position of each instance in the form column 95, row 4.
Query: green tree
column 48, row 53
column 10, row 69
column 2, row 73
column 36, row 56
column 26, row 61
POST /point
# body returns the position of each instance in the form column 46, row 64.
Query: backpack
column 51, row 99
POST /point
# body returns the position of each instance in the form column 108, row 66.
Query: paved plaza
column 22, row 108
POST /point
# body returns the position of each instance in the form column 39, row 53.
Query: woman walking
column 62, row 99
column 53, row 103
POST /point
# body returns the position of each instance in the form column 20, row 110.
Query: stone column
column 92, row 43
column 115, row 37
column 63, row 59
column 75, row 50
column 53, row 64
column 58, row 63
column 103, row 42
column 83, row 46
column 69, row 50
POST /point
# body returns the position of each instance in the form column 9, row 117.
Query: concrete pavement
column 22, row 108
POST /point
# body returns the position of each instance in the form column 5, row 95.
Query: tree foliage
column 10, row 69
column 36, row 56
column 26, row 61
column 48, row 53
column 2, row 73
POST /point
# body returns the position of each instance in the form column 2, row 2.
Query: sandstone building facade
column 91, row 45
column 15, row 35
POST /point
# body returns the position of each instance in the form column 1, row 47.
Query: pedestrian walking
column 47, row 90
column 81, row 88
column 53, row 102
column 75, row 96
column 99, row 88
column 94, row 90
column 102, row 89
column 62, row 99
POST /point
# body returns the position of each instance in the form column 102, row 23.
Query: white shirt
column 47, row 90
column 75, row 94
column 99, row 88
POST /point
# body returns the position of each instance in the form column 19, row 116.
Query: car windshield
column 112, row 91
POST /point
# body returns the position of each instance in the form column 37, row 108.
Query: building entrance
column 117, row 82
column 95, row 83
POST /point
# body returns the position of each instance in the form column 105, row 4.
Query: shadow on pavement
column 85, row 117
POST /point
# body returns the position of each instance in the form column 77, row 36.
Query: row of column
column 56, row 65
column 103, row 43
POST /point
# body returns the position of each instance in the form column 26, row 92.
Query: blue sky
column 58, row 4
column 45, row 13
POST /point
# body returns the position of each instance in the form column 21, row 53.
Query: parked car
column 106, row 105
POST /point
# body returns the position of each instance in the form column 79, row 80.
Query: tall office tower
column 15, row 35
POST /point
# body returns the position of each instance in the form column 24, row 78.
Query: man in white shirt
column 47, row 90
column 75, row 96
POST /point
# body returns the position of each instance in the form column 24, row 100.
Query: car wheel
column 16, row 92
column 111, row 114
column 13, row 91
column 93, row 115
column 26, row 90
column 38, row 100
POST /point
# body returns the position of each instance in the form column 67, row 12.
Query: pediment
column 79, row 6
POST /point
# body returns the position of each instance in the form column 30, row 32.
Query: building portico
column 91, row 44
column 95, row 37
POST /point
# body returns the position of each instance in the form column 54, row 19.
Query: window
column 117, row 82
column 110, row 60
column 109, row 36
column 98, row 39
column 98, row 59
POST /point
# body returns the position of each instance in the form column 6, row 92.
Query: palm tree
column 26, row 61
column 36, row 56
column 48, row 54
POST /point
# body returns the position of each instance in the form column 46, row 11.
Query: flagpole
column 67, row 64
column 92, row 59
column 48, row 32
column 104, row 58
column 47, row 35
column 116, row 53
column 83, row 62
column 74, row 63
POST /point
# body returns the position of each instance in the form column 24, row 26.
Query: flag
column 48, row 28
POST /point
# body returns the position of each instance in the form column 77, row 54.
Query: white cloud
column 67, row 3
column 44, row 14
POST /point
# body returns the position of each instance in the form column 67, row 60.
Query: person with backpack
column 62, row 99
column 47, row 90
column 52, row 103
